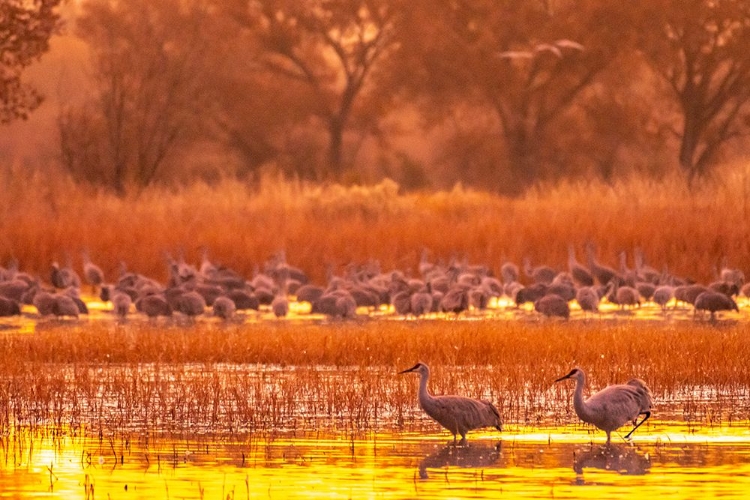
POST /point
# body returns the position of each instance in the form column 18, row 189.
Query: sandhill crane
column 602, row 273
column 645, row 289
column 644, row 271
column 726, row 287
column 14, row 289
column 629, row 276
column 121, row 303
column 191, row 304
column 588, row 299
column 425, row 266
column 567, row 292
column 623, row 295
column 65, row 305
column 9, row 307
column 64, row 277
column 530, row 293
column 207, row 268
column 540, row 274
column 662, row 295
column 421, row 302
column 280, row 302
column 401, row 302
column 509, row 272
column 613, row 406
column 458, row 414
column 280, row 305
column 224, row 307
column 309, row 293
column 553, row 305
column 346, row 306
column 244, row 299
column 336, row 304
column 731, row 275
column 714, row 301
column 455, row 300
column 44, row 302
column 578, row 271
column 92, row 273
column 688, row 293
column 153, row 305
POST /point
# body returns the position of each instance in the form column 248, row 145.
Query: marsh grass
column 266, row 376
column 343, row 377
column 322, row 227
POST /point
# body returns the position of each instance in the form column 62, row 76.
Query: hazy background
column 498, row 95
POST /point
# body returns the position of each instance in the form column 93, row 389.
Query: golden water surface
column 665, row 459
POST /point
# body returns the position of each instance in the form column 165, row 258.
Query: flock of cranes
column 452, row 288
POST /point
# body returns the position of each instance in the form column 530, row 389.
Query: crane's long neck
column 578, row 403
column 424, row 395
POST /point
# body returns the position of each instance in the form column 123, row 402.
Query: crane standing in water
column 613, row 406
column 458, row 414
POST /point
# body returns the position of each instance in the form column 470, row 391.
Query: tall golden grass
column 322, row 227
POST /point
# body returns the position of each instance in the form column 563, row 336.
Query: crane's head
column 420, row 368
column 575, row 373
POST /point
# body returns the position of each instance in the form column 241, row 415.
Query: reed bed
column 342, row 377
column 323, row 228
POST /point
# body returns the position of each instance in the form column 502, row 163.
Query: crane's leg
column 609, row 438
column 648, row 414
column 463, row 440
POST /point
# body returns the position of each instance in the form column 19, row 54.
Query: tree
column 330, row 48
column 25, row 30
column 523, row 63
column 150, row 98
column 700, row 47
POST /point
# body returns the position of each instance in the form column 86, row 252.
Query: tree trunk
column 521, row 159
column 335, row 144
column 689, row 144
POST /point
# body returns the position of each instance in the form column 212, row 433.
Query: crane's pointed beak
column 410, row 369
column 566, row 377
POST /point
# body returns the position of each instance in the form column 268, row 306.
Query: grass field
column 323, row 228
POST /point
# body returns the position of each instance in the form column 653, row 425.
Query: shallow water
column 557, row 463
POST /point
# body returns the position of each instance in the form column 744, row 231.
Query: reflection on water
column 72, row 463
column 470, row 455
column 623, row 459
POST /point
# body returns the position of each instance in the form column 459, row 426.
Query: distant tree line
column 494, row 93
